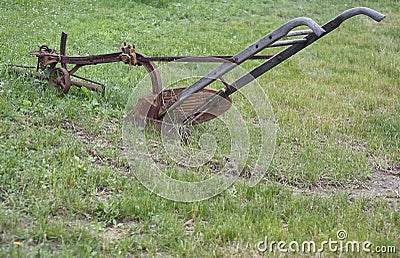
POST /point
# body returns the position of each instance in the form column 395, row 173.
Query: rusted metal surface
column 190, row 106
column 17, row 69
column 195, row 103
column 198, row 59
column 60, row 80
column 151, row 68
column 60, row 77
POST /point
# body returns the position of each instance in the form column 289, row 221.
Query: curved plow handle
column 269, row 39
column 377, row 16
column 277, row 34
column 300, row 21
column 334, row 23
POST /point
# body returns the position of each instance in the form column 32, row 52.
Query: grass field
column 67, row 190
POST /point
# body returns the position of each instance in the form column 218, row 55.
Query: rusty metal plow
column 196, row 101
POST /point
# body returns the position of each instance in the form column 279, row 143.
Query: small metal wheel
column 60, row 80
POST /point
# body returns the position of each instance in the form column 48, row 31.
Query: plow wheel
column 60, row 80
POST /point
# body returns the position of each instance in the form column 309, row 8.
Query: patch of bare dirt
column 81, row 133
column 381, row 184
column 114, row 233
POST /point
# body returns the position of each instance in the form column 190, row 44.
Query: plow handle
column 290, row 51
column 377, row 16
column 250, row 51
column 277, row 34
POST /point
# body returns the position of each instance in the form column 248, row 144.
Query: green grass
column 67, row 190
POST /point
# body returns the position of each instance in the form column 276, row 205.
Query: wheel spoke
column 59, row 79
